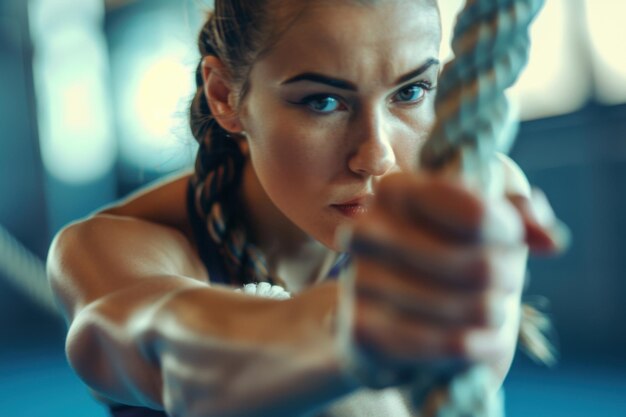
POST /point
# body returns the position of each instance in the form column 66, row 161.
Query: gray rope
column 25, row 271
column 474, row 121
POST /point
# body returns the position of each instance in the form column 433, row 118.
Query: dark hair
column 235, row 32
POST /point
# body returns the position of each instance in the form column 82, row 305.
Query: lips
column 354, row 207
column 351, row 210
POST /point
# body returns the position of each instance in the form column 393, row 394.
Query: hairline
column 292, row 19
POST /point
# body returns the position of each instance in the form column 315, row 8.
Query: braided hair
column 234, row 34
column 237, row 32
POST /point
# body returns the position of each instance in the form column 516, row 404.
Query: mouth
column 351, row 210
column 355, row 207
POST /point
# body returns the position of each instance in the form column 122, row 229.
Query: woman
column 310, row 116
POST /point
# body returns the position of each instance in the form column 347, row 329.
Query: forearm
column 136, row 325
column 234, row 351
column 104, row 343
column 264, row 357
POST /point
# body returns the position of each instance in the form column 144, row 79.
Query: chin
column 335, row 236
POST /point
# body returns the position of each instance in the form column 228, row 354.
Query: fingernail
column 542, row 213
column 540, row 209
column 560, row 234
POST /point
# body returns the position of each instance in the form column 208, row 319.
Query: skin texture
column 333, row 158
column 146, row 326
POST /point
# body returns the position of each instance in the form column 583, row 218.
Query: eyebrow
column 422, row 69
column 347, row 85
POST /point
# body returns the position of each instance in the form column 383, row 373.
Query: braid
column 217, row 179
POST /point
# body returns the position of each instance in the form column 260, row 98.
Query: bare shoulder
column 105, row 253
column 163, row 202
column 130, row 246
column 515, row 179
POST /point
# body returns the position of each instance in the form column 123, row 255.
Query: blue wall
column 579, row 160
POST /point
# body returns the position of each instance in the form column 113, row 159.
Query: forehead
column 350, row 38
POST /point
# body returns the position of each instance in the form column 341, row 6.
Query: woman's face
column 341, row 100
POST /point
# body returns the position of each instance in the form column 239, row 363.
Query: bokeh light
column 607, row 31
column 153, row 82
column 556, row 80
column 71, row 73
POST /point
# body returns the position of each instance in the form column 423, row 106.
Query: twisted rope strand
column 472, row 110
column 25, row 271
column 474, row 121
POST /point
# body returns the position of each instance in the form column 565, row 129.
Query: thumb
column 545, row 233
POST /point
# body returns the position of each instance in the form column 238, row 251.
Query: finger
column 407, row 295
column 400, row 341
column 449, row 209
column 432, row 200
column 439, row 262
column 544, row 232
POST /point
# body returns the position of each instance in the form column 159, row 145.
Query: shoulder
column 163, row 202
column 105, row 253
column 155, row 218
column 123, row 244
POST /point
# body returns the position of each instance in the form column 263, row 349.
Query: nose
column 374, row 154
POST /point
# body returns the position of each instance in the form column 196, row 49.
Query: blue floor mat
column 569, row 390
column 42, row 385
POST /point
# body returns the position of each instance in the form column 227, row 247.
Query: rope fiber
column 25, row 272
column 474, row 122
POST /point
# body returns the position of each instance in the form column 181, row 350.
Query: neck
column 291, row 254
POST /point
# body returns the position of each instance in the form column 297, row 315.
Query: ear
column 220, row 94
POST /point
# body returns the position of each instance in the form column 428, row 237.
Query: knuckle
column 481, row 269
column 485, row 310
column 368, row 342
column 476, row 213
column 456, row 345
column 363, row 331
column 360, row 332
column 369, row 280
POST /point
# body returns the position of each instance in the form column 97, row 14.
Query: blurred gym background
column 93, row 97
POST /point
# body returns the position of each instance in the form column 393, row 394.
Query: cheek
column 415, row 131
column 295, row 162
column 286, row 153
column 297, row 174
column 286, row 147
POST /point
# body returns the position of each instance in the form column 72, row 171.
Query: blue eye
column 322, row 104
column 412, row 93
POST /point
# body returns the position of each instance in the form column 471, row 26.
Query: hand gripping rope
column 474, row 121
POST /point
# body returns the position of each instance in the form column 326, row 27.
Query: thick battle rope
column 474, row 121
column 25, row 271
